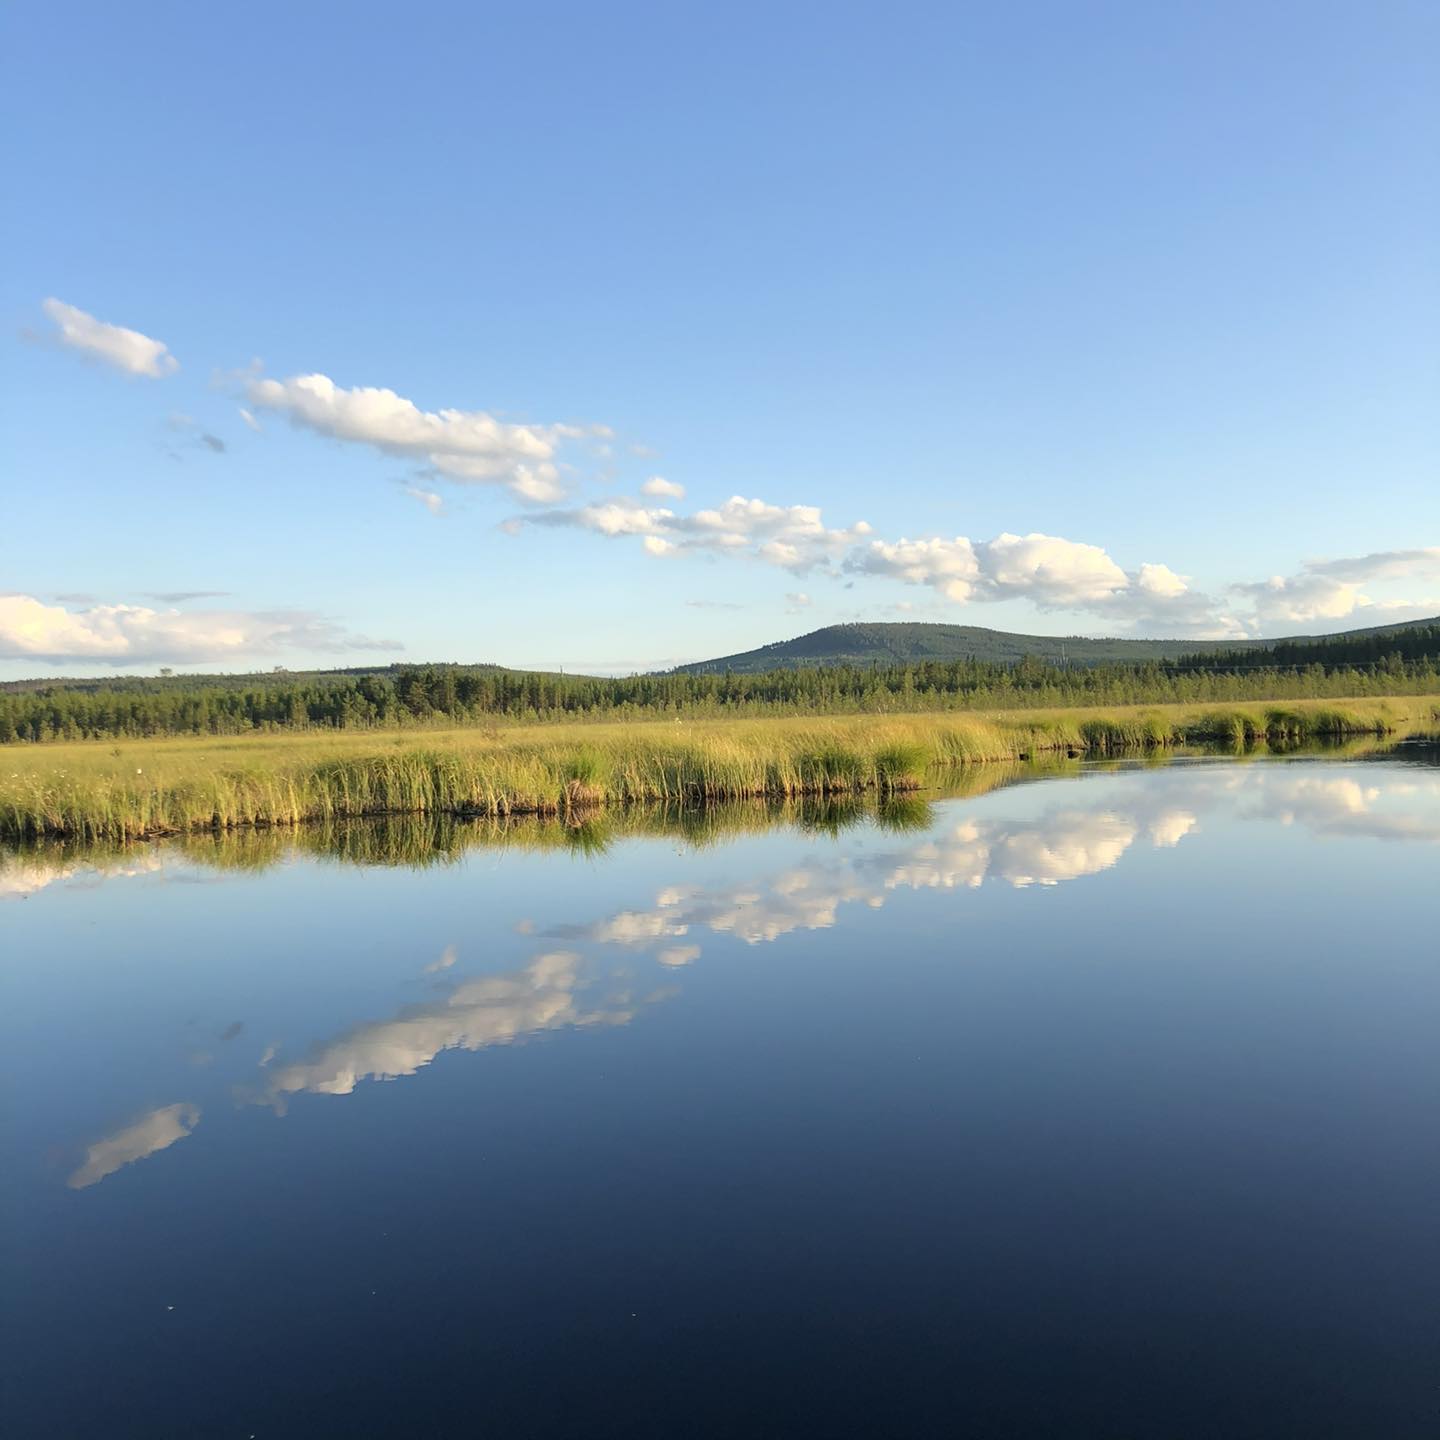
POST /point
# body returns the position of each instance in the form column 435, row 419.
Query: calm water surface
column 1105, row 1105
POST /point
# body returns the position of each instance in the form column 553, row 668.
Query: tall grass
column 145, row 788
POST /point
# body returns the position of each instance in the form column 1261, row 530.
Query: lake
column 1096, row 1101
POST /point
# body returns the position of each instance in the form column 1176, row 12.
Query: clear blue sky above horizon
column 1102, row 317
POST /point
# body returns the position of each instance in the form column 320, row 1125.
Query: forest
column 406, row 697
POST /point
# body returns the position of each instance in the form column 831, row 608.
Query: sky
column 614, row 336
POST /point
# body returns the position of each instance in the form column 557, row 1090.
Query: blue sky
column 1070, row 318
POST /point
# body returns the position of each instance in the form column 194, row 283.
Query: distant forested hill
column 908, row 643
column 897, row 671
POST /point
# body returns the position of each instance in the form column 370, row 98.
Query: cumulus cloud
column 1052, row 573
column 949, row 566
column 1049, row 571
column 138, row 634
column 792, row 537
column 1160, row 581
column 114, row 345
column 153, row 1132
column 1333, row 589
column 797, row 600
column 464, row 446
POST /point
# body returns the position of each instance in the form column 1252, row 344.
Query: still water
column 1097, row 1103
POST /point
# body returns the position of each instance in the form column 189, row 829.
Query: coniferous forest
column 1396, row 663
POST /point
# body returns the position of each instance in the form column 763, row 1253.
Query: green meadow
column 140, row 788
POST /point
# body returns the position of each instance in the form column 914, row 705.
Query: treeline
column 454, row 695
column 1358, row 649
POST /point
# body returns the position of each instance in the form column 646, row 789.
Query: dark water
column 1107, row 1105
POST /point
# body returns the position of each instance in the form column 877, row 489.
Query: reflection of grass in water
column 419, row 841
column 900, row 814
column 1351, row 747
column 157, row 787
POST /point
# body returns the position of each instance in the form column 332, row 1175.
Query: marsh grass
column 144, row 788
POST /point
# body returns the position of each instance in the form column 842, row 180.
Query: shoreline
column 147, row 789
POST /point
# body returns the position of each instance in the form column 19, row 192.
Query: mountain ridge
column 910, row 642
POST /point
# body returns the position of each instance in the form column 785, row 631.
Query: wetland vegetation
column 143, row 788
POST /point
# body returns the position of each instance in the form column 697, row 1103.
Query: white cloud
column 793, row 537
column 1332, row 590
column 798, row 600
column 249, row 419
column 1301, row 598
column 659, row 486
column 1423, row 563
column 126, row 350
column 1052, row 573
column 465, row 446
column 137, row 634
column 949, row 566
column 1161, row 581
column 432, row 500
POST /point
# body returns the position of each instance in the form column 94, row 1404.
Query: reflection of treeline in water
column 421, row 841
column 448, row 695
column 91, row 792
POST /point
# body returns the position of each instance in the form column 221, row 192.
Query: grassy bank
column 141, row 788
column 438, row 839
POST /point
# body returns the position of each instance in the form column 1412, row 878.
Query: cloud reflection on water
column 151, row 1133
column 1064, row 844
column 1343, row 806
column 488, row 1010
column 960, row 850
column 23, row 875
